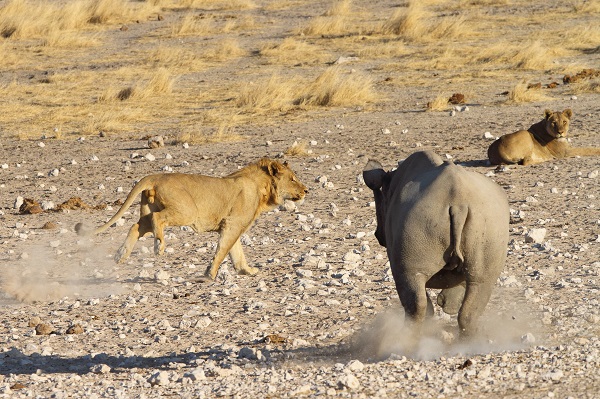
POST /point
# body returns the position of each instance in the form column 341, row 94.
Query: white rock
column 355, row 365
column 100, row 369
column 47, row 205
column 385, row 131
column 593, row 174
column 150, row 157
column 528, row 338
column 159, row 378
column 489, row 136
column 349, row 381
column 41, row 144
column 4, row 166
column 203, row 322
column 536, row 235
column 54, row 172
column 162, row 275
column 304, row 273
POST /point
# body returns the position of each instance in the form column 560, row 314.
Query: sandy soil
column 322, row 316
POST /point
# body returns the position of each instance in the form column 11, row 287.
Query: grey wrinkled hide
column 444, row 227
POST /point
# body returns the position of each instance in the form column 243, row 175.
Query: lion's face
column 557, row 123
column 288, row 185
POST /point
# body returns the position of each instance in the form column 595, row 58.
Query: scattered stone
column 489, row 136
column 156, row 142
column 30, row 207
column 457, row 98
column 49, row 226
column 349, row 381
column 159, row 378
column 536, row 236
column 34, row 321
column 100, row 369
column 593, row 174
column 43, row 329
column 75, row 329
column 150, row 157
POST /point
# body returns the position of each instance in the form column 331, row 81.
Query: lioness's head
column 557, row 123
column 286, row 184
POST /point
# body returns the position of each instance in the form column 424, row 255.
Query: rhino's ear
column 374, row 175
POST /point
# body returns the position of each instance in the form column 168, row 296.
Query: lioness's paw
column 249, row 271
column 120, row 255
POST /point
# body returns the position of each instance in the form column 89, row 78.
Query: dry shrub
column 297, row 150
column 407, row 22
column 272, row 94
column 533, row 56
column 25, row 19
column 326, row 26
column 522, row 94
column 339, row 7
column 191, row 24
column 382, row 49
column 415, row 23
column 61, row 39
column 586, row 6
column 224, row 50
column 585, row 86
column 337, row 88
column 292, row 51
column 219, row 4
column 170, row 56
column 439, row 104
column 160, row 83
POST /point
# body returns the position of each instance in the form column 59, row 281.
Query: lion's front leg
column 239, row 260
column 229, row 236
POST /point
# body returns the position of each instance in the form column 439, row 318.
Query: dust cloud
column 40, row 272
column 500, row 329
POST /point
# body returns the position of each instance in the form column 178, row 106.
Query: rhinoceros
column 443, row 227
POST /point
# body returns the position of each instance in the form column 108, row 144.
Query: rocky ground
column 322, row 316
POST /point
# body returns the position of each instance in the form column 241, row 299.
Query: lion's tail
column 144, row 184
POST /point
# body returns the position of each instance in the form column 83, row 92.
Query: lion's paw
column 248, row 271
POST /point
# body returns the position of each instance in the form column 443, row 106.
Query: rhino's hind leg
column 140, row 229
column 414, row 299
column 476, row 298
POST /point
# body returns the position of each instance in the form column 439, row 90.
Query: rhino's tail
column 458, row 218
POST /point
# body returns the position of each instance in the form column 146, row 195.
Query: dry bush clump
column 333, row 22
column 440, row 103
column 334, row 87
column 415, row 23
column 32, row 19
column 173, row 57
column 161, row 82
column 297, row 149
column 532, row 56
column 293, row 51
column 383, row 49
column 224, row 50
column 218, row 4
column 522, row 93
column 275, row 93
column 192, row 24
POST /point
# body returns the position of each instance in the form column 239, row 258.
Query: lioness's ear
column 547, row 113
column 568, row 113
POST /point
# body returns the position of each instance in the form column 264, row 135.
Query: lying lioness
column 543, row 141
column 228, row 205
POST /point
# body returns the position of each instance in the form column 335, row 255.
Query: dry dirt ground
column 322, row 316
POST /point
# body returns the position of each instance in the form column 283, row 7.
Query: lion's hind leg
column 140, row 229
column 229, row 237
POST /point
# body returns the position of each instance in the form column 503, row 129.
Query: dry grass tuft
column 219, row 4
column 293, row 51
column 533, row 56
column 326, row 26
column 339, row 7
column 191, row 24
column 160, row 83
column 274, row 94
column 415, row 23
column 297, row 150
column 439, row 104
column 224, row 50
column 334, row 87
column 522, row 94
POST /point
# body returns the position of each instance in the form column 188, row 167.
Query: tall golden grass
column 293, row 51
column 520, row 93
column 272, row 94
column 160, row 83
column 336, row 87
column 32, row 19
